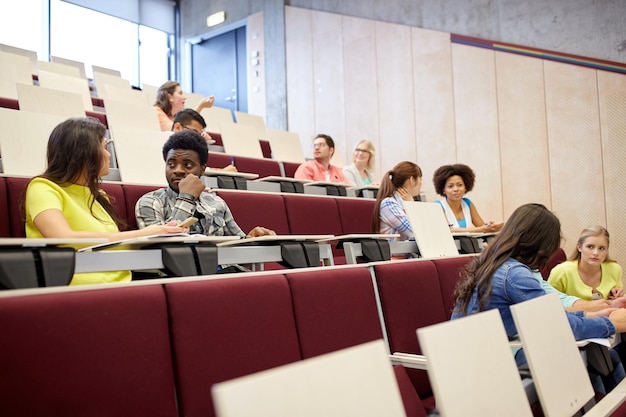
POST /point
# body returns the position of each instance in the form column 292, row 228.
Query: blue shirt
column 512, row 283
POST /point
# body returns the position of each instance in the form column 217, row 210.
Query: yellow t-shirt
column 74, row 201
column 565, row 278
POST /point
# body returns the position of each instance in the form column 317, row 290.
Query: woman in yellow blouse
column 589, row 273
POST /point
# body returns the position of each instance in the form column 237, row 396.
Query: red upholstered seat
column 218, row 159
column 449, row 271
column 226, row 328
column 558, row 257
column 356, row 214
column 5, row 223
column 16, row 187
column 263, row 167
column 290, row 168
column 266, row 148
column 410, row 298
column 336, row 309
column 89, row 353
column 9, row 103
column 311, row 215
column 117, row 198
column 257, row 209
column 132, row 193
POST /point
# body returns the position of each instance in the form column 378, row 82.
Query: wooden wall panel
column 434, row 104
column 360, row 88
column 329, row 79
column 395, row 94
column 523, row 131
column 612, row 105
column 575, row 148
column 300, row 78
column 476, row 114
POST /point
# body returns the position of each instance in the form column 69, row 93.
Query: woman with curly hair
column 452, row 182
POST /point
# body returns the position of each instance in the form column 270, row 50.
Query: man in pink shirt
column 320, row 168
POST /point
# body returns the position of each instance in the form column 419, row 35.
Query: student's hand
column 230, row 168
column 619, row 302
column 618, row 318
column 260, row 231
column 492, row 227
column 604, row 312
column 165, row 229
column 616, row 292
column 205, row 103
column 207, row 137
column 191, row 184
column 405, row 195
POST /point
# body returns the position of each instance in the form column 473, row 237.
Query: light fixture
column 216, row 19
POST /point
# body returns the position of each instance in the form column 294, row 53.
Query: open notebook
column 430, row 229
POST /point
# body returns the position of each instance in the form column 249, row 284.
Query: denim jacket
column 513, row 283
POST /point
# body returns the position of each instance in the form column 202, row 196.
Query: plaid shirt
column 163, row 205
column 393, row 218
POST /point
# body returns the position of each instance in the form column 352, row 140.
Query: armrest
column 409, row 360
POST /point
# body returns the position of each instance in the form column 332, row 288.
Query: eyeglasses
column 361, row 150
column 319, row 144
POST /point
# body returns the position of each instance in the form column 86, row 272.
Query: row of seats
column 296, row 214
column 155, row 348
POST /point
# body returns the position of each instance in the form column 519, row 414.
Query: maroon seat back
column 290, row 168
column 132, row 193
column 263, row 167
column 16, row 187
column 449, row 271
column 226, row 328
column 557, row 257
column 356, row 214
column 410, row 298
column 257, row 209
column 117, row 197
column 334, row 309
column 5, row 223
column 311, row 215
column 89, row 353
column 266, row 148
column 218, row 160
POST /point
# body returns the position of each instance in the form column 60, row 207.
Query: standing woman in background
column 403, row 182
column 589, row 273
column 359, row 172
column 452, row 182
column 170, row 100
column 66, row 201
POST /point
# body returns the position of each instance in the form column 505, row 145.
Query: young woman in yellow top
column 66, row 200
column 589, row 273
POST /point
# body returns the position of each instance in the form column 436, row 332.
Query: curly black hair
column 442, row 174
column 188, row 140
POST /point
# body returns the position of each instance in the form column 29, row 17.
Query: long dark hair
column 74, row 151
column 391, row 181
column 163, row 99
column 530, row 235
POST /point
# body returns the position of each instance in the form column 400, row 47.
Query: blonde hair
column 372, row 151
column 587, row 232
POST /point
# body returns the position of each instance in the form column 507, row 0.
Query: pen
column 232, row 160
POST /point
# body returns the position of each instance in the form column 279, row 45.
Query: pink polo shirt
column 313, row 170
